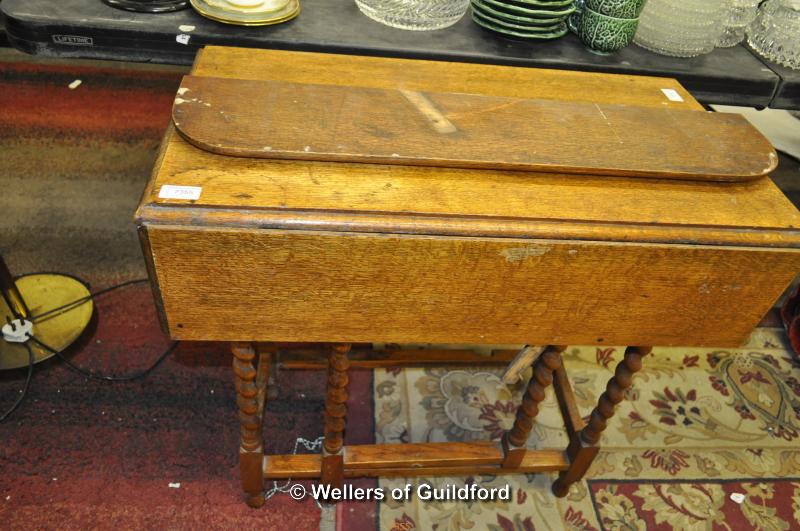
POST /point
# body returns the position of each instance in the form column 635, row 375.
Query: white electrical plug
column 17, row 331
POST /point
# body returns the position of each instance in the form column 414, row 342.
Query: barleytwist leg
column 583, row 447
column 335, row 416
column 514, row 440
column 250, row 400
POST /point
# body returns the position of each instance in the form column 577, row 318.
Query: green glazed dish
column 603, row 34
column 517, row 27
column 616, row 8
column 483, row 9
column 527, row 12
column 548, row 4
column 518, row 34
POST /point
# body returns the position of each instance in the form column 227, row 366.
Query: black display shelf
column 91, row 29
column 787, row 94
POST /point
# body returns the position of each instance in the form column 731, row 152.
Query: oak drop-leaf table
column 264, row 253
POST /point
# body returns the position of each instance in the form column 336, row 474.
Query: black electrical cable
column 27, row 384
column 77, row 302
column 102, row 377
column 77, row 368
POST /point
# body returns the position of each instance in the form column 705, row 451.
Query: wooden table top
column 381, row 198
column 329, row 123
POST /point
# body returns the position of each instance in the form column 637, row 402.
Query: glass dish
column 775, row 33
column 417, row 15
column 681, row 28
column 740, row 13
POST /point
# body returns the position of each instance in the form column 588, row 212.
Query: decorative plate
column 530, row 12
column 538, row 27
column 483, row 9
column 527, row 35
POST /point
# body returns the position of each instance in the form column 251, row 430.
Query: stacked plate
column 149, row 6
column 524, row 19
column 248, row 12
column 682, row 28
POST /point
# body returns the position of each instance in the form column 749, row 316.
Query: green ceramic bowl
column 617, row 8
column 603, row 34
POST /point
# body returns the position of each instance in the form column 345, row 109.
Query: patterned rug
column 707, row 439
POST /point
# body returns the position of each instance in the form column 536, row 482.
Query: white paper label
column 171, row 191
column 183, row 38
column 672, row 95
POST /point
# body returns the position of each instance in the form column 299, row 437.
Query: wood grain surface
column 380, row 198
column 573, row 421
column 323, row 251
column 268, row 285
column 255, row 193
column 403, row 357
column 415, row 459
column 440, row 76
column 524, row 359
column 293, row 121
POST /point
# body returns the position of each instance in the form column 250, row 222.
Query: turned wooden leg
column 335, row 416
column 514, row 440
column 251, row 392
column 583, row 447
column 264, row 375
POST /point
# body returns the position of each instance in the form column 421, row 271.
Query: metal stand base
column 58, row 330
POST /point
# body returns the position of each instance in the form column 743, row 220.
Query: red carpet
column 109, row 103
column 82, row 454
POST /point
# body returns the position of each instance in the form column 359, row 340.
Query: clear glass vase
column 417, row 15
column 775, row 33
